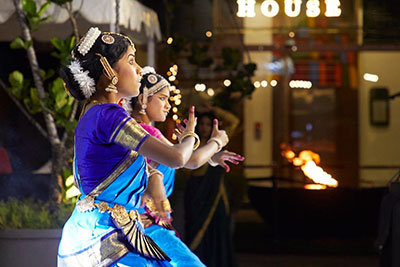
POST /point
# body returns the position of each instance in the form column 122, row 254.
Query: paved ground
column 290, row 260
column 255, row 247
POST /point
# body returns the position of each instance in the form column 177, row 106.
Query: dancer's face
column 158, row 105
column 129, row 74
column 204, row 127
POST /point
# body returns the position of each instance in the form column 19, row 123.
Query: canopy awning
column 136, row 20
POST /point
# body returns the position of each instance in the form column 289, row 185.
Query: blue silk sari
column 174, row 247
column 111, row 175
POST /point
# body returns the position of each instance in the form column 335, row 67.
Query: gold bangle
column 216, row 140
column 154, row 171
column 166, row 205
column 190, row 133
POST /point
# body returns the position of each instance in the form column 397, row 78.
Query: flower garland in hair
column 147, row 70
column 86, row 83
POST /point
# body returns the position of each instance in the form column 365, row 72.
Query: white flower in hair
column 86, row 83
column 147, row 70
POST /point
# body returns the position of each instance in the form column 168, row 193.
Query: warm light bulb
column 264, row 83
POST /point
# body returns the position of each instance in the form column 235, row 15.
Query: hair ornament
column 86, row 83
column 152, row 78
column 109, row 73
column 107, row 39
column 148, row 70
column 88, row 40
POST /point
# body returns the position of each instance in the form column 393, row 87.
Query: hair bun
column 148, row 70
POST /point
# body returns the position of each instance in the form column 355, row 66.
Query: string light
column 257, row 84
column 170, row 40
column 210, row 91
column 227, row 82
column 300, row 84
column 273, row 83
column 174, row 109
column 209, row 34
column 264, row 83
column 371, row 77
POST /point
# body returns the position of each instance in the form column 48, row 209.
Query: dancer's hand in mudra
column 190, row 124
column 219, row 134
column 224, row 156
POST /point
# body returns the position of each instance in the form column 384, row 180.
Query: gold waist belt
column 130, row 225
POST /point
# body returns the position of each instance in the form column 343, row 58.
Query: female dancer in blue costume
column 109, row 167
column 152, row 106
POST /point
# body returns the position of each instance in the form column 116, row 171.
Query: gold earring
column 110, row 74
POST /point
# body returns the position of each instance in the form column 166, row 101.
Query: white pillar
column 151, row 52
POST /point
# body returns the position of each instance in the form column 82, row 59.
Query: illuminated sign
column 270, row 8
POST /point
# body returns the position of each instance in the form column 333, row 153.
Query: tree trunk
column 49, row 119
column 73, row 20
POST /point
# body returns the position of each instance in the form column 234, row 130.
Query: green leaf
column 18, row 43
column 43, row 8
column 42, row 73
column 16, row 79
column 43, row 20
column 36, row 104
column 27, row 44
column 50, row 73
column 71, row 43
column 29, row 7
column 57, row 43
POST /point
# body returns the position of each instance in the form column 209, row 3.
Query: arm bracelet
column 216, row 140
column 190, row 133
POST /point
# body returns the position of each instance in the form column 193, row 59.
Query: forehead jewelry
column 121, row 35
column 108, row 39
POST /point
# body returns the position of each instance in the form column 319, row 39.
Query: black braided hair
column 91, row 62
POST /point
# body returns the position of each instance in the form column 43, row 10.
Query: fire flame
column 308, row 162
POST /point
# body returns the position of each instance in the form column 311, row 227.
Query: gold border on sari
column 87, row 203
column 200, row 234
column 130, row 135
column 103, row 253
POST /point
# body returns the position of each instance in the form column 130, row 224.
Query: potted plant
column 30, row 229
